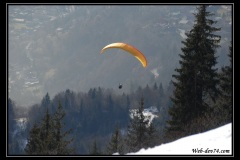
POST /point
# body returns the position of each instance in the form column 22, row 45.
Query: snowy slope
column 214, row 142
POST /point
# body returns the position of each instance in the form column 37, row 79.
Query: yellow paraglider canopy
column 130, row 49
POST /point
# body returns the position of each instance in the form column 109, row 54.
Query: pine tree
column 137, row 130
column 94, row 150
column 224, row 107
column 153, row 135
column 47, row 138
column 34, row 145
column 155, row 87
column 45, row 104
column 196, row 81
column 41, row 137
column 60, row 141
column 115, row 145
column 46, row 101
column 161, row 91
column 46, row 134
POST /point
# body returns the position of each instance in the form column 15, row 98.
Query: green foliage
column 47, row 138
column 94, row 150
column 224, row 105
column 34, row 146
column 46, row 101
column 196, row 81
column 139, row 134
column 154, row 136
column 59, row 135
column 116, row 143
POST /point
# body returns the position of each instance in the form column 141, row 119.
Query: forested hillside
column 55, row 47
column 95, row 114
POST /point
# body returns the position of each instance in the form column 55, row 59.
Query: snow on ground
column 214, row 142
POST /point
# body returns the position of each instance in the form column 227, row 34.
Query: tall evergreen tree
column 47, row 138
column 94, row 150
column 155, row 87
column 137, row 132
column 226, row 87
column 34, row 145
column 115, row 145
column 153, row 136
column 61, row 144
column 40, row 141
column 46, row 134
column 161, row 91
column 196, row 81
column 45, row 104
column 46, row 101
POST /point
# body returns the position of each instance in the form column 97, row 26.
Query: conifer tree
column 40, row 141
column 46, row 101
column 161, row 91
column 226, row 87
column 137, row 130
column 196, row 81
column 61, row 143
column 34, row 145
column 115, row 145
column 155, row 87
column 94, row 150
column 47, row 137
column 153, row 136
column 46, row 134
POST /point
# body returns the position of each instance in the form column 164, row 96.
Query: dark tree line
column 96, row 112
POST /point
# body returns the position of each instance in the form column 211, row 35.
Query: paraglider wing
column 130, row 49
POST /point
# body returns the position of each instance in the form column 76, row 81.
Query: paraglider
column 120, row 86
column 130, row 49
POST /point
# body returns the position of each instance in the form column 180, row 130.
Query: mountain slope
column 52, row 48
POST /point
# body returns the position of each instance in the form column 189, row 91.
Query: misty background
column 52, row 48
